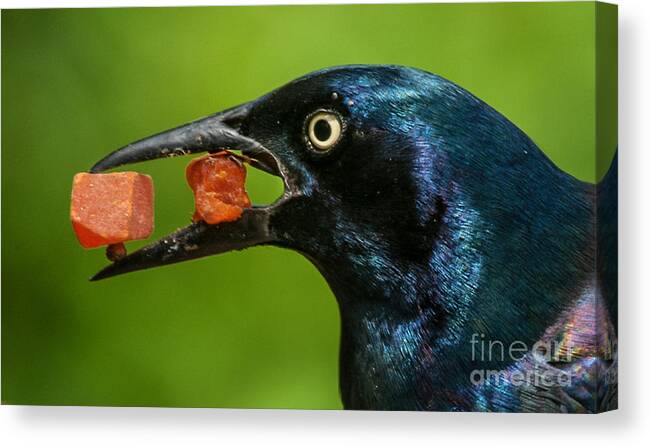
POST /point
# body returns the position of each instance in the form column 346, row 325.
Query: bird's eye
column 324, row 130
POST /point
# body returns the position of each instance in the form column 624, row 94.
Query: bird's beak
column 212, row 134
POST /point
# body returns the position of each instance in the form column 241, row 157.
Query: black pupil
column 322, row 130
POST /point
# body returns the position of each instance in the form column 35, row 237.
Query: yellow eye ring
column 324, row 130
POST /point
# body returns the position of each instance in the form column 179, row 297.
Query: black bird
column 471, row 273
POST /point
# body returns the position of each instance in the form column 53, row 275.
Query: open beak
column 211, row 134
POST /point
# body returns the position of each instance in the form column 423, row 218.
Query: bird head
column 345, row 142
column 388, row 172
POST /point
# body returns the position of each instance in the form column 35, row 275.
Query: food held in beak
column 217, row 181
column 115, row 252
column 112, row 208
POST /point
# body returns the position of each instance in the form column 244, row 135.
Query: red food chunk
column 112, row 208
column 217, row 181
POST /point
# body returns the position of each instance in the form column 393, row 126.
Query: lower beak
column 211, row 134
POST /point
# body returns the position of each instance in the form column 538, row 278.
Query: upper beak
column 213, row 133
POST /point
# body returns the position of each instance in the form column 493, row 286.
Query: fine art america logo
column 535, row 370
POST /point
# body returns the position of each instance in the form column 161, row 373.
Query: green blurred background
column 257, row 328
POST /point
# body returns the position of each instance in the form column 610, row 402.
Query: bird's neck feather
column 407, row 324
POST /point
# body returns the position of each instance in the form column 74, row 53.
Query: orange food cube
column 217, row 181
column 112, row 208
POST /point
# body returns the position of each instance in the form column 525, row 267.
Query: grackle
column 470, row 272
